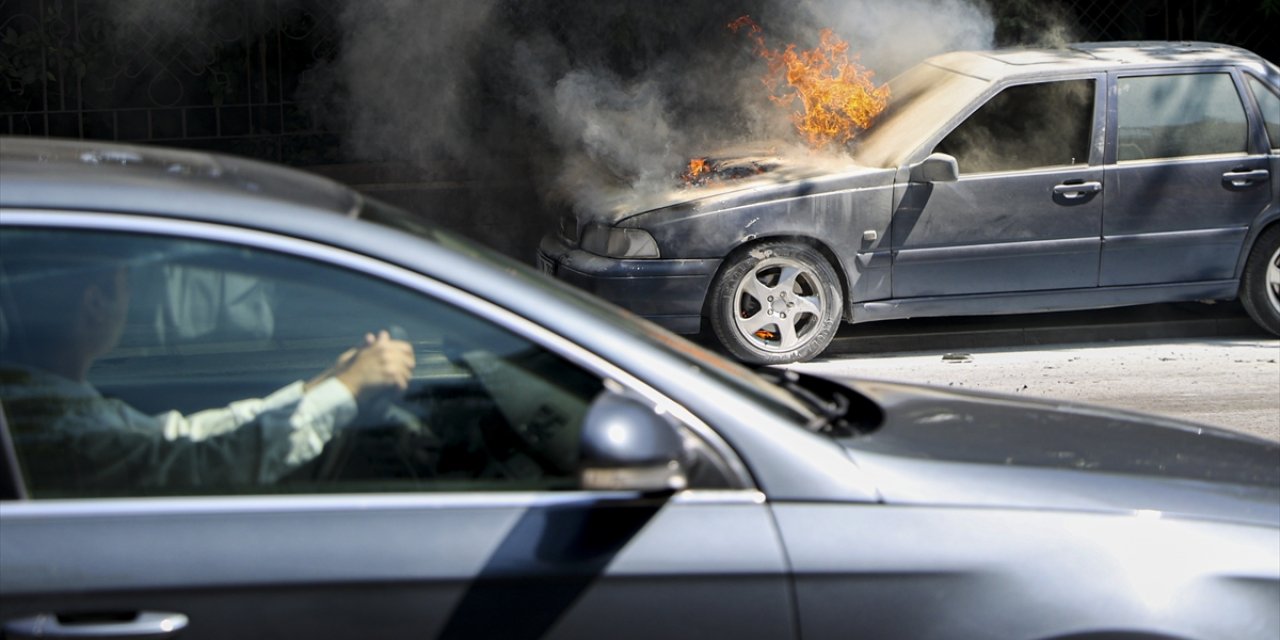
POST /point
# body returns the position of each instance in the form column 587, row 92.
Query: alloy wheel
column 779, row 305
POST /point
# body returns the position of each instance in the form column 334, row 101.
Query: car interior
column 209, row 326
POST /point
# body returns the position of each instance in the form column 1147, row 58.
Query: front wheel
column 775, row 303
column 1260, row 284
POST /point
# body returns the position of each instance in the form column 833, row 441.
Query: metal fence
column 1252, row 24
column 215, row 75
column 228, row 75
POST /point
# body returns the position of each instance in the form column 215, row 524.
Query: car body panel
column 998, row 233
column 1038, row 301
column 963, row 575
column 940, row 448
column 454, row 566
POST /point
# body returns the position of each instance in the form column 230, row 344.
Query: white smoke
column 404, row 85
column 641, row 129
column 894, row 36
column 500, row 87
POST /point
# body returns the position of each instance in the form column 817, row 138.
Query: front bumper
column 667, row 292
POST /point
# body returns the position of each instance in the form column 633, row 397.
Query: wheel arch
column 1260, row 226
column 820, row 246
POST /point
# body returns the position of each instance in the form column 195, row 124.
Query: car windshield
column 725, row 371
column 923, row 98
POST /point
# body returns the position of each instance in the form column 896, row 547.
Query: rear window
column 1269, row 103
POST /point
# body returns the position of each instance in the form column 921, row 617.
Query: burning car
column 994, row 182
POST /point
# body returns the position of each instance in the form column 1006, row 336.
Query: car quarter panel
column 1271, row 215
column 920, row 572
column 444, row 565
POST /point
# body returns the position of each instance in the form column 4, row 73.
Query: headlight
column 616, row 242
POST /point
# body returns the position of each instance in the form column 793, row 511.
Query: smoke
column 627, row 107
column 582, row 99
column 893, row 36
column 406, row 82
column 1034, row 23
column 163, row 19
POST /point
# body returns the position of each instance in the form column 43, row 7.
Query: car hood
column 734, row 178
column 942, row 447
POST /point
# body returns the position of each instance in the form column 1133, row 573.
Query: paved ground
column 1222, row 381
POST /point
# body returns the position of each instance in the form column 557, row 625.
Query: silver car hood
column 943, row 447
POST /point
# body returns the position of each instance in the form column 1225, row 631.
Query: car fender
column 850, row 226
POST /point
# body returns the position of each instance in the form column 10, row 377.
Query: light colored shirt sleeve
column 295, row 424
column 79, row 442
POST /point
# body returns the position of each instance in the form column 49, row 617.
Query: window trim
column 1272, row 145
column 328, row 502
column 740, row 479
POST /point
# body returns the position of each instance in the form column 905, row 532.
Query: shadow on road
column 1147, row 322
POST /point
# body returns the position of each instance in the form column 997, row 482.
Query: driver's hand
column 380, row 364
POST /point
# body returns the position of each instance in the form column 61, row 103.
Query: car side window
column 1269, row 103
column 1029, row 126
column 1181, row 115
column 144, row 365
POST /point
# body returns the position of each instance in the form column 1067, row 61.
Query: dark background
column 490, row 116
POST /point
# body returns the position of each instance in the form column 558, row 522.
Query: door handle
column 1245, row 178
column 143, row 624
column 1077, row 190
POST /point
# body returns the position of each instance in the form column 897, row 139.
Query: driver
column 72, row 438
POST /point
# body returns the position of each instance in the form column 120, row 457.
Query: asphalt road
column 1207, row 364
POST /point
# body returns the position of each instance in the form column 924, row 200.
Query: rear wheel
column 1260, row 284
column 775, row 303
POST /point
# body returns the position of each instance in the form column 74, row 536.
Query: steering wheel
column 387, row 440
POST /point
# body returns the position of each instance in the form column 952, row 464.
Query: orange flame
column 697, row 167
column 837, row 96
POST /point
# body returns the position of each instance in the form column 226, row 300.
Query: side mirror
column 627, row 446
column 938, row 167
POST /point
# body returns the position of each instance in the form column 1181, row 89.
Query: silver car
column 550, row 468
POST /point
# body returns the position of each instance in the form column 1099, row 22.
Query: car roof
column 105, row 176
column 1095, row 56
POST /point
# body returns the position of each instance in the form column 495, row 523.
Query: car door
column 1026, row 212
column 1187, row 173
column 454, row 511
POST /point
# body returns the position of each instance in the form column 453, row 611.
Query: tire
column 774, row 303
column 1260, row 283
